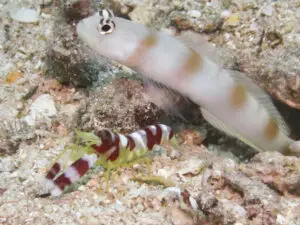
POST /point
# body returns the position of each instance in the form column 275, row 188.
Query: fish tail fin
column 262, row 97
column 271, row 124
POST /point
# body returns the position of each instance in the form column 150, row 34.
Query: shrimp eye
column 106, row 25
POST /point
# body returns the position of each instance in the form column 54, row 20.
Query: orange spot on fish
column 193, row 63
column 238, row 96
column 141, row 50
column 271, row 130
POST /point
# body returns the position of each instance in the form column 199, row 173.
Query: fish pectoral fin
column 171, row 101
column 219, row 124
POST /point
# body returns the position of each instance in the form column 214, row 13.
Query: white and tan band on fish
column 228, row 99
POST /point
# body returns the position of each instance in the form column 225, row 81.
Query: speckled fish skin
column 228, row 100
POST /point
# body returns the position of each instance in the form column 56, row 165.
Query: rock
column 12, row 103
column 253, row 191
column 69, row 115
column 221, row 211
column 142, row 14
column 7, row 111
column 279, row 172
column 229, row 196
column 25, row 15
column 13, row 76
column 75, row 10
column 121, row 105
column 191, row 167
column 226, row 164
column 7, row 165
column 41, row 110
column 194, row 13
column 191, row 137
column 12, row 132
column 178, row 216
column 232, row 212
column 207, row 201
column 233, row 20
column 225, row 14
column 268, row 10
column 68, row 60
column 209, row 21
column 247, row 4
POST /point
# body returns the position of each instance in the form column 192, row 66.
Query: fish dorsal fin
column 262, row 97
column 200, row 44
column 166, row 98
column 214, row 121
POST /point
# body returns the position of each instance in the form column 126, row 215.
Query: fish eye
column 106, row 24
column 106, row 28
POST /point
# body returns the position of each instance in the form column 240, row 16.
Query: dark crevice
column 292, row 118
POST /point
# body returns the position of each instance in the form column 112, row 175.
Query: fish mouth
column 87, row 31
column 82, row 29
column 79, row 28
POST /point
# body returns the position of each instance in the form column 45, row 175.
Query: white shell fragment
column 25, row 15
column 295, row 146
column 194, row 13
column 41, row 110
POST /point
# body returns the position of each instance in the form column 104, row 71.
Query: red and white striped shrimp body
column 70, row 175
column 113, row 150
column 131, row 146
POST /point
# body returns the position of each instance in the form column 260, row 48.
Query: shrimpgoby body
column 228, row 100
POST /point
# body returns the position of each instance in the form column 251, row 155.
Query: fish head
column 112, row 37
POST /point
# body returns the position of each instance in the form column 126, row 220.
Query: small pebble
column 140, row 207
column 13, row 76
column 268, row 10
column 233, row 20
column 191, row 137
column 295, row 146
column 125, row 9
column 280, row 219
column 25, row 15
column 225, row 14
column 41, row 110
column 194, row 13
column 254, row 27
